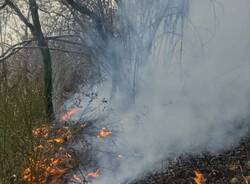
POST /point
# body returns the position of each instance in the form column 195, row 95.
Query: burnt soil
column 231, row 166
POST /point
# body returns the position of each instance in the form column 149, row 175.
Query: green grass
column 21, row 110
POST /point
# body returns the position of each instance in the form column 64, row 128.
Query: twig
column 245, row 179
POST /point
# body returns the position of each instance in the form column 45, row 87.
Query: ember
column 94, row 174
column 58, row 140
column 41, row 132
column 199, row 178
column 71, row 112
column 104, row 132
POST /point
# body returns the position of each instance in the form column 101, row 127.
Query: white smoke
column 192, row 95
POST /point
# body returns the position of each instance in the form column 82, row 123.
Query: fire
column 104, row 132
column 58, row 140
column 94, row 174
column 48, row 161
column 62, row 135
column 199, row 178
column 71, row 112
column 27, row 176
column 56, row 171
column 45, row 168
column 41, row 132
column 55, row 161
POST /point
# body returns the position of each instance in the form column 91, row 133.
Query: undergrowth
column 21, row 110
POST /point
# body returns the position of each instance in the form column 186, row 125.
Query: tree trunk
column 37, row 32
column 48, row 87
column 42, row 43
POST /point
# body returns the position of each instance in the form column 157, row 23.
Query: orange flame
column 48, row 162
column 58, row 140
column 104, row 132
column 71, row 112
column 41, row 170
column 94, row 174
column 199, row 178
column 41, row 132
column 55, row 161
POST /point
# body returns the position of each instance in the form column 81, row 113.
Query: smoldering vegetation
column 155, row 79
column 179, row 84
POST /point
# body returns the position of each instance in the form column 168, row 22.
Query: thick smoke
column 189, row 76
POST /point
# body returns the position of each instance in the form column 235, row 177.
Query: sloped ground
column 231, row 166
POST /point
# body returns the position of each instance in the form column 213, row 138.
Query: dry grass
column 21, row 110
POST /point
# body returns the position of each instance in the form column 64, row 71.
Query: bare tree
column 36, row 30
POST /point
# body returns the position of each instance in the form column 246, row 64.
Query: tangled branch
column 13, row 49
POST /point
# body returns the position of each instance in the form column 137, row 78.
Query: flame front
column 49, row 160
column 199, row 178
column 94, row 174
column 104, row 132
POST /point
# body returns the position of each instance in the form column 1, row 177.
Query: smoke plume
column 180, row 83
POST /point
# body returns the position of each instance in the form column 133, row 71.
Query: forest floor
column 229, row 167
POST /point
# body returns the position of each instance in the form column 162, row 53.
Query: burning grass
column 103, row 133
column 94, row 174
column 50, row 160
column 31, row 151
column 199, row 178
column 228, row 167
column 21, row 109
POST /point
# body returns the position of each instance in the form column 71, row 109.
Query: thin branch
column 83, row 9
column 19, row 46
column 52, row 49
column 56, row 13
column 3, row 5
column 68, row 42
column 11, row 51
column 17, row 49
column 20, row 15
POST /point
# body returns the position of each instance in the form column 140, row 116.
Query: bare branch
column 18, row 48
column 13, row 50
column 3, row 5
column 23, row 45
column 20, row 15
column 52, row 49
column 83, row 9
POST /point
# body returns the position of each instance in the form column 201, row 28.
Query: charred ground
column 229, row 166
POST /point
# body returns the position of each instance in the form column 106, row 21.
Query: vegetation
column 22, row 109
column 35, row 35
column 44, row 44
